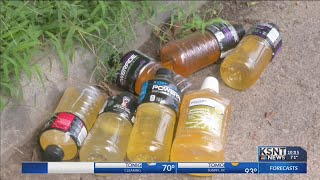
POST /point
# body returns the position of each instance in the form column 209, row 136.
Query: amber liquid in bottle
column 108, row 139
column 202, row 127
column 242, row 68
column 244, row 65
column 190, row 54
column 146, row 74
column 152, row 133
column 202, row 48
column 149, row 72
column 137, row 68
column 84, row 102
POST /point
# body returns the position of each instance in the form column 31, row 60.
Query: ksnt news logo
column 272, row 153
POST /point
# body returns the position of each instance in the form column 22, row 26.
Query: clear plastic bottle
column 152, row 133
column 200, row 49
column 74, row 116
column 202, row 125
column 244, row 65
column 108, row 139
column 137, row 68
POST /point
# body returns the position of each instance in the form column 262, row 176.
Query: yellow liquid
column 197, row 144
column 84, row 102
column 244, row 65
column 65, row 142
column 108, row 139
column 151, row 136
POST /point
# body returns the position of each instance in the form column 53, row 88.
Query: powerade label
column 206, row 114
column 161, row 91
column 131, row 65
column 124, row 104
column 226, row 35
column 270, row 32
column 71, row 124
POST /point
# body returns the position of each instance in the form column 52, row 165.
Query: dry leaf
column 270, row 114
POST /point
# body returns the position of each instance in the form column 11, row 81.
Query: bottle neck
column 226, row 36
column 258, row 38
column 163, row 77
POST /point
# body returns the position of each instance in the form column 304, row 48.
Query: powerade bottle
column 137, row 68
column 74, row 117
column 108, row 139
column 242, row 68
column 200, row 49
column 152, row 133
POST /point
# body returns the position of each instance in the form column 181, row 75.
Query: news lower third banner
column 271, row 159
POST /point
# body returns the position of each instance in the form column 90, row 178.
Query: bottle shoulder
column 152, row 106
column 151, row 66
column 112, row 115
column 206, row 93
column 256, row 38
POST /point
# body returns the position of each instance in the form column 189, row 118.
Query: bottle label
column 271, row 33
column 161, row 91
column 226, row 35
column 131, row 65
column 206, row 114
column 71, row 125
column 124, row 104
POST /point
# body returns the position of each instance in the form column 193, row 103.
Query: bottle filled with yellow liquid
column 202, row 126
column 136, row 68
column 152, row 133
column 244, row 65
column 73, row 118
column 200, row 49
column 108, row 139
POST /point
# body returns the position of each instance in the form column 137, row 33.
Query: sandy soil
column 289, row 90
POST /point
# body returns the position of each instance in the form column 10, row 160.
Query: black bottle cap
column 240, row 30
column 165, row 72
column 53, row 153
column 124, row 104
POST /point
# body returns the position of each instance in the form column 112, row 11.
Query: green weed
column 104, row 27
column 182, row 22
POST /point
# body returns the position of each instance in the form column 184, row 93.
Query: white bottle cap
column 210, row 83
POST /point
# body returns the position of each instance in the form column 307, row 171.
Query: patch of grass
column 182, row 22
column 104, row 27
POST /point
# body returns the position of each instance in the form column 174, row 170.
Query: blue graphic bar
column 164, row 167
column 282, row 168
column 34, row 168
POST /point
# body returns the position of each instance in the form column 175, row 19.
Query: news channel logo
column 272, row 153
column 282, row 153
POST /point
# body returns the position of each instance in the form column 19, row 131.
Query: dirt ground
column 281, row 109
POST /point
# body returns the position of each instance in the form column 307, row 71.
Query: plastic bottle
column 108, row 139
column 73, row 118
column 137, row 68
column 200, row 49
column 152, row 133
column 242, row 68
column 202, row 125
